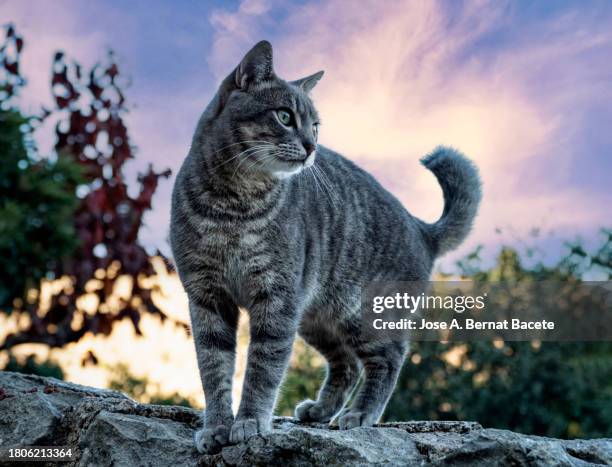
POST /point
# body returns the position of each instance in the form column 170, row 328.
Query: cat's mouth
column 304, row 161
column 293, row 166
column 292, row 160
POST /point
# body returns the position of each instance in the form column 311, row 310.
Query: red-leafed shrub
column 104, row 219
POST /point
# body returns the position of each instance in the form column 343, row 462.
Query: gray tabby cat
column 252, row 228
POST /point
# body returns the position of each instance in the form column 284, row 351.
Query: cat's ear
column 256, row 66
column 309, row 82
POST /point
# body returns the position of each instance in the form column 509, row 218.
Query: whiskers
column 261, row 152
column 324, row 184
column 260, row 145
column 272, row 153
column 321, row 181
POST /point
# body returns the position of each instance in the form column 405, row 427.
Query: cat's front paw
column 313, row 411
column 353, row 419
column 245, row 428
column 211, row 440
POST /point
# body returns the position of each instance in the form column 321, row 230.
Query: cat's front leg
column 273, row 328
column 214, row 331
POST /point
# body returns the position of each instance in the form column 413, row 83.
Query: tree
column 37, row 195
column 558, row 389
column 90, row 131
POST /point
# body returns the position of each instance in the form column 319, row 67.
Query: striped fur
column 252, row 227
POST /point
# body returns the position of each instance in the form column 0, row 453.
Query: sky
column 522, row 88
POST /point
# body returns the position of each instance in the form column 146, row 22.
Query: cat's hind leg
column 381, row 363
column 342, row 372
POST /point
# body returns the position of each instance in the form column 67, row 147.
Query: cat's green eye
column 284, row 117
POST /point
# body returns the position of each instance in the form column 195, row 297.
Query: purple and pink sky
column 523, row 88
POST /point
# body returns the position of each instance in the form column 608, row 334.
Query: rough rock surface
column 108, row 428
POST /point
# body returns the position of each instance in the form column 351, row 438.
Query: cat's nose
column 309, row 147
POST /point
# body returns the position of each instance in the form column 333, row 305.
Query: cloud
column 520, row 91
column 233, row 30
column 403, row 77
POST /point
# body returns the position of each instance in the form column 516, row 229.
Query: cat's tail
column 461, row 186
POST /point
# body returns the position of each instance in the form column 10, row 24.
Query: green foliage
column 141, row 389
column 172, row 399
column 41, row 219
column 551, row 389
column 37, row 204
column 302, row 380
column 545, row 388
column 31, row 367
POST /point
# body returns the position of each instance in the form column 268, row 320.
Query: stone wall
column 109, row 428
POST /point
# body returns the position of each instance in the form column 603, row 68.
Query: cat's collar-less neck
column 239, row 186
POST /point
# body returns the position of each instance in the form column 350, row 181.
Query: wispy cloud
column 521, row 88
column 234, row 29
column 402, row 78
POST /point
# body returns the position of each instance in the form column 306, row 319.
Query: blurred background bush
column 75, row 281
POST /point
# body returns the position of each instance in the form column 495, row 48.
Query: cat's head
column 266, row 124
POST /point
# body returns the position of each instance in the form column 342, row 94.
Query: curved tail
column 461, row 185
